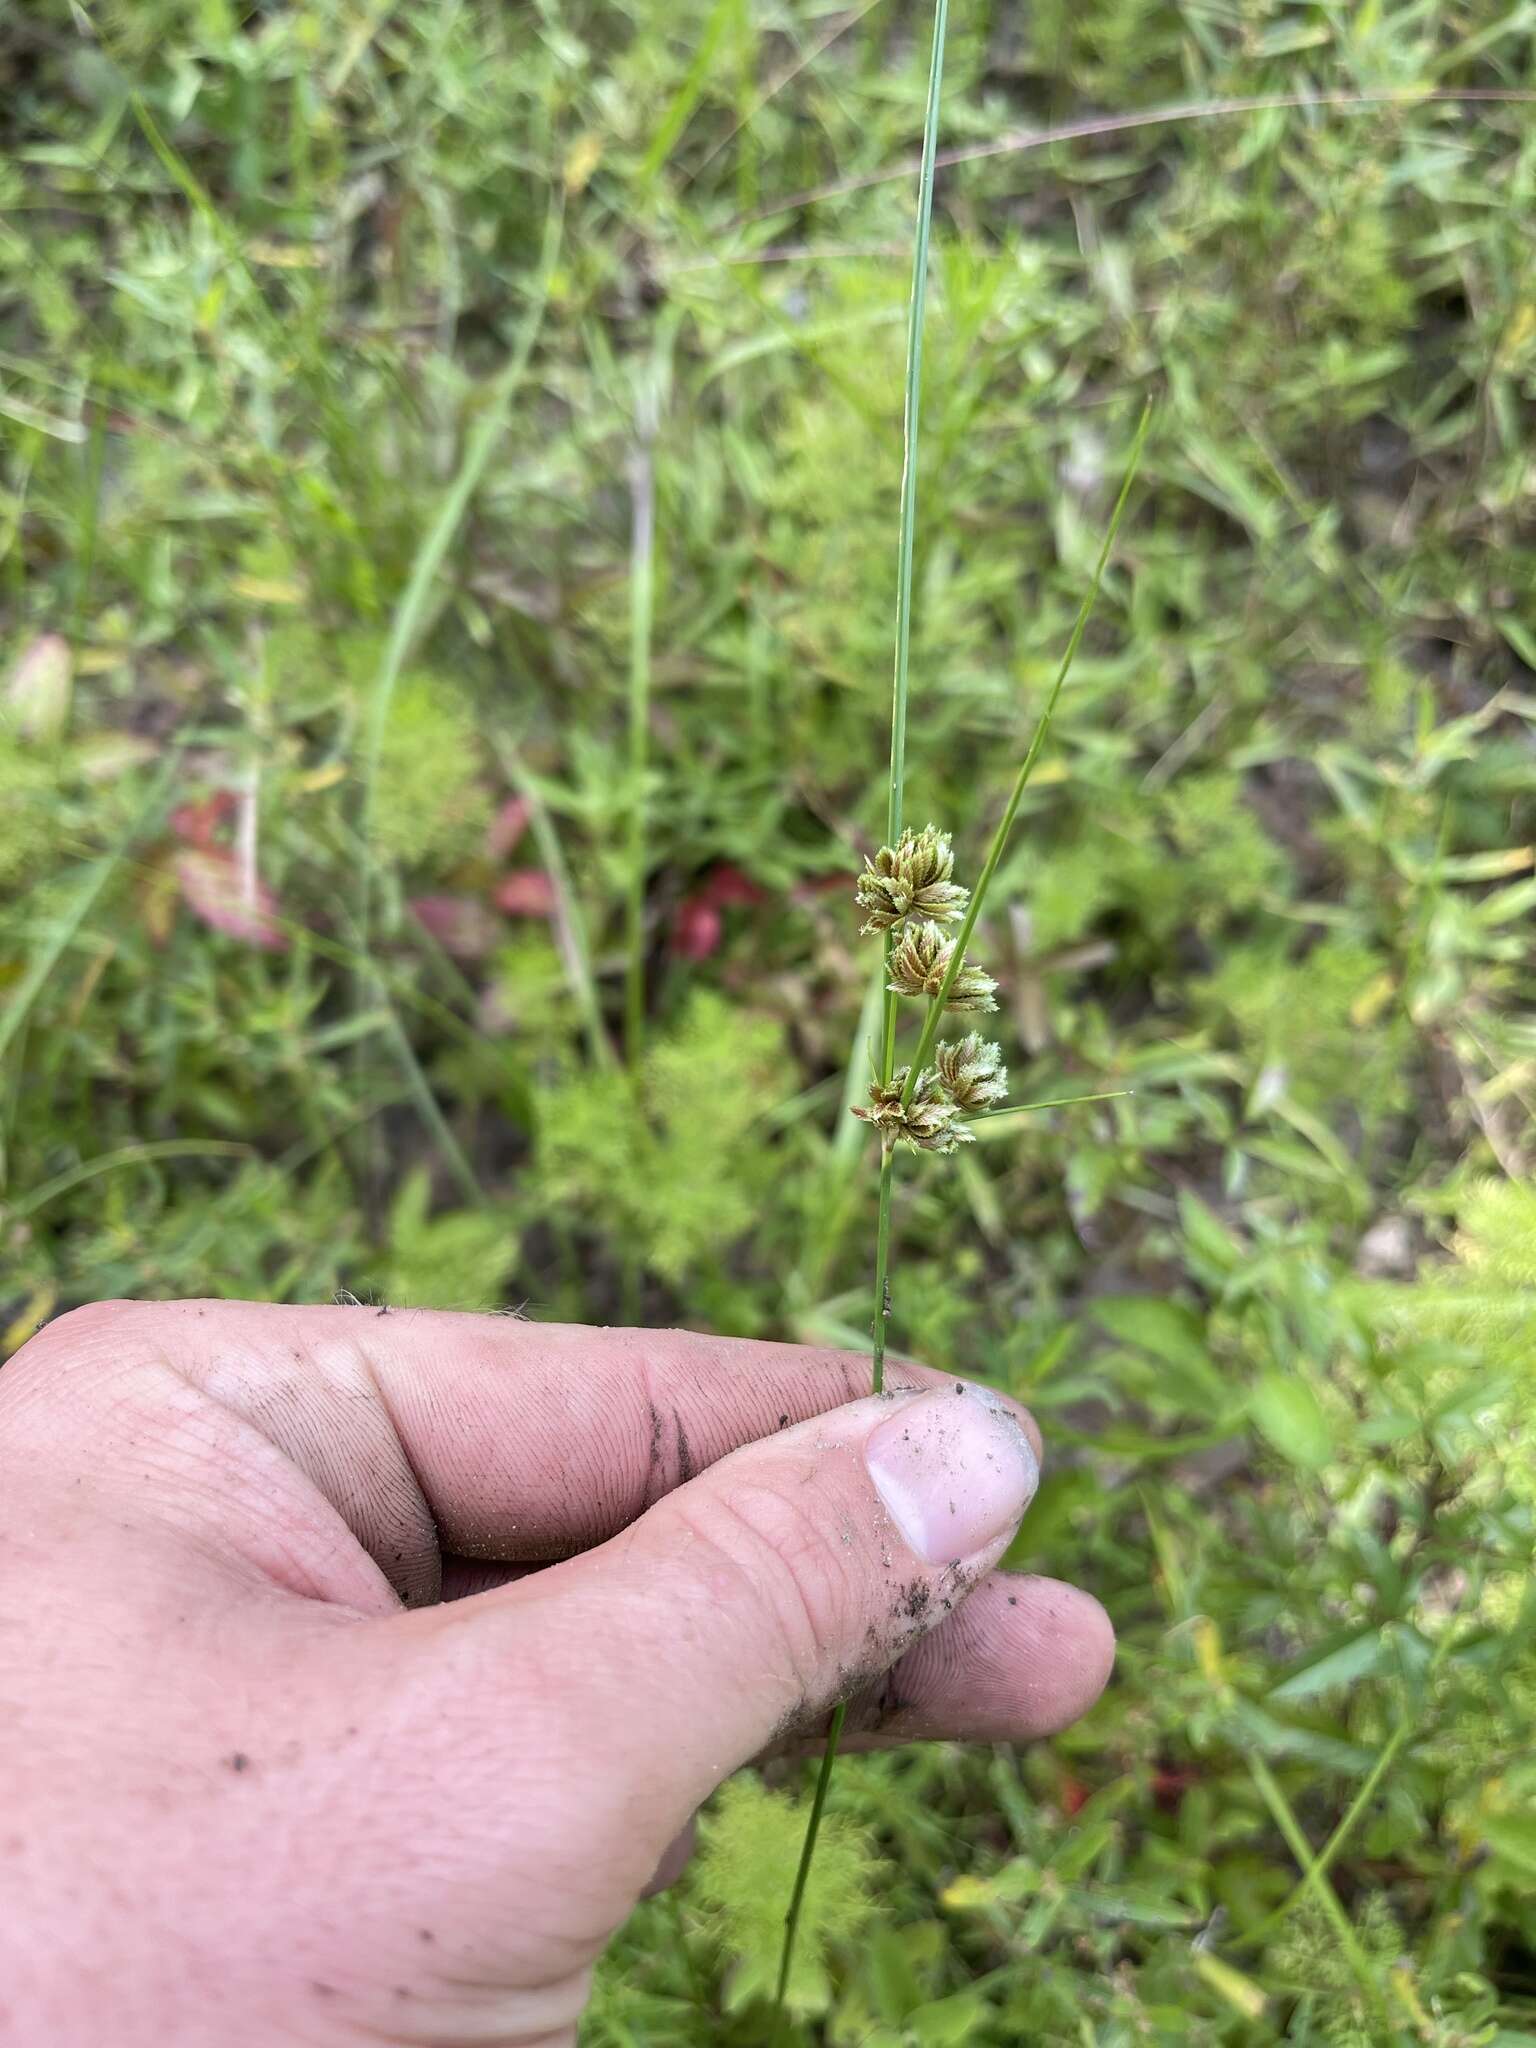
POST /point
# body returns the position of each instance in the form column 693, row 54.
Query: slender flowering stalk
column 908, row 894
column 909, row 897
column 935, row 862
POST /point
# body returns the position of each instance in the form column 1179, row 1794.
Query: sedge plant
column 925, row 919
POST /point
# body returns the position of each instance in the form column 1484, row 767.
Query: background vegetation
column 344, row 348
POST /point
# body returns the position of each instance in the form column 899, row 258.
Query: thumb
column 752, row 1598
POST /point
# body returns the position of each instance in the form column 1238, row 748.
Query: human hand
column 357, row 1669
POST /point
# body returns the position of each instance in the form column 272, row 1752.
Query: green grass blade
column 985, row 1116
column 1349, row 1942
column 411, row 611
column 48, row 955
column 570, row 924
column 428, row 1109
column 689, row 92
column 127, row 1155
column 642, row 602
column 911, row 421
column 1032, row 755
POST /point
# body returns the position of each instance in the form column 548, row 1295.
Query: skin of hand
column 360, row 1670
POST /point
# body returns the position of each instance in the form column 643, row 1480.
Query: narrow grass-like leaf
column 570, row 923
column 127, row 1155
column 1285, row 1820
column 1032, row 755
column 410, row 613
column 984, row 1116
column 689, row 91
column 642, row 600
column 21, row 998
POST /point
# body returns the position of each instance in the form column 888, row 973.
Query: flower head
column 910, row 878
column 920, row 960
column 971, row 1071
column 930, row 1122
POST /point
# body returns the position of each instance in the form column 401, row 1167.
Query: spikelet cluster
column 913, row 878
column 908, row 894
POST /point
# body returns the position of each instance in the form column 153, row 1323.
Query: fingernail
column 955, row 1471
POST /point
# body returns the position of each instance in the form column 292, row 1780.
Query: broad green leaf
column 1512, row 1838
column 1211, row 1244
column 1167, row 1329
column 1286, row 1412
column 947, row 2022
column 1361, row 1657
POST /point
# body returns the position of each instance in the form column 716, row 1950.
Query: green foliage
column 1273, row 1307
column 429, row 804
column 1331, row 2001
column 28, row 800
column 751, row 1838
column 463, row 1259
column 677, row 1181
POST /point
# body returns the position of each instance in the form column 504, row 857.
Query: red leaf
column 1170, row 1785
column 212, row 889
column 1073, row 1794
column 697, row 926
column 507, row 827
column 727, row 884
column 196, row 824
column 697, row 929
column 526, row 892
column 464, row 927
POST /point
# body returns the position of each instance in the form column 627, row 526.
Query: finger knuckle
column 795, row 1568
column 80, row 1342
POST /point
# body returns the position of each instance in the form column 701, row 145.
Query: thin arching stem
column 911, row 417
column 1036, row 747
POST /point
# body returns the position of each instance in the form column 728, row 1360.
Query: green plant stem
column 642, row 596
column 127, row 1155
column 882, row 1271
column 906, row 535
column 1000, row 837
column 1285, row 1820
column 807, row 1852
column 570, row 924
column 911, row 416
column 1314, row 1873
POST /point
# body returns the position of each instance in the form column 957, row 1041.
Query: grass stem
column 1328, row 1899
column 882, row 1271
column 906, row 538
column 807, row 1852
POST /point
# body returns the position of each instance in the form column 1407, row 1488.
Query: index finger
column 524, row 1441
